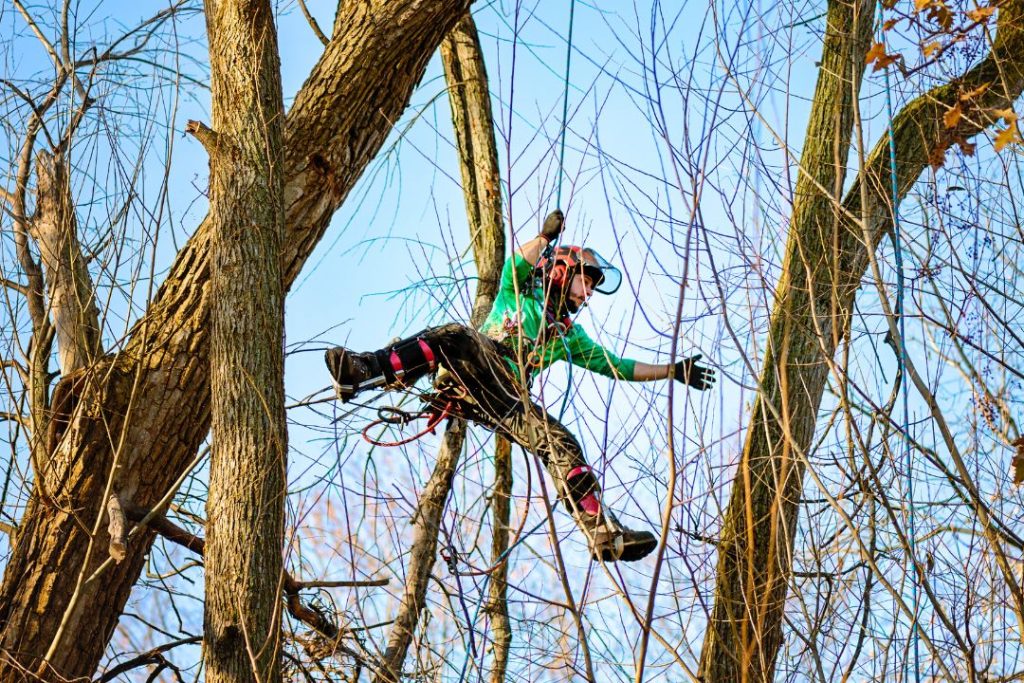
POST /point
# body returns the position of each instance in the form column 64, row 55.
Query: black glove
column 697, row 376
column 553, row 225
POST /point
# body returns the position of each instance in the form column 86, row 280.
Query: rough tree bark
column 478, row 159
column 246, row 502
column 826, row 258
column 147, row 407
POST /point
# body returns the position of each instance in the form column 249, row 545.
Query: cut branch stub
column 117, row 528
column 206, row 136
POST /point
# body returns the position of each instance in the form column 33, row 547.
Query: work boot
column 609, row 541
column 352, row 372
column 398, row 365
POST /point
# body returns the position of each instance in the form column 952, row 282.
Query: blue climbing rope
column 902, row 363
column 547, row 253
column 565, row 104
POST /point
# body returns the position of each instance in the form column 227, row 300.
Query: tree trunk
column 248, row 463
column 147, row 408
column 826, row 257
column 470, row 98
column 473, row 120
column 478, row 160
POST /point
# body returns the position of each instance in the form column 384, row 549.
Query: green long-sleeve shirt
column 522, row 313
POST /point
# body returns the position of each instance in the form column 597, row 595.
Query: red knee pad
column 582, row 487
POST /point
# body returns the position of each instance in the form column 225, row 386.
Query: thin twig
column 312, row 23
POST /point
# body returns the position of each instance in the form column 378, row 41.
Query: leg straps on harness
column 400, row 364
column 406, row 361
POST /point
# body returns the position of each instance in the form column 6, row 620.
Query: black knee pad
column 407, row 360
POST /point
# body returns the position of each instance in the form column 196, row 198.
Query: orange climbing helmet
column 558, row 267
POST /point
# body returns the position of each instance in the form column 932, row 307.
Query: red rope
column 436, row 415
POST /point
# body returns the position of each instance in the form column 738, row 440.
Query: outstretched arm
column 646, row 372
column 687, row 371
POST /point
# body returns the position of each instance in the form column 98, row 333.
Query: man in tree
column 529, row 327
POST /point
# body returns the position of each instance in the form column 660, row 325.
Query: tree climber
column 528, row 329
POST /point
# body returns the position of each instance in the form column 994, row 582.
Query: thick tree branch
column 422, row 553
column 72, row 303
column 470, row 99
column 206, row 136
column 245, row 505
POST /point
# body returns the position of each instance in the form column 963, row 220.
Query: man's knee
column 580, row 481
column 452, row 337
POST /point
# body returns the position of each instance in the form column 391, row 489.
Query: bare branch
column 39, row 34
column 312, row 23
column 152, row 656
column 71, row 299
column 153, row 23
column 15, row 417
column 300, row 585
column 16, row 286
column 309, row 616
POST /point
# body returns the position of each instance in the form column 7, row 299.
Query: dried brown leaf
column 885, row 60
column 966, row 147
column 1006, row 136
column 971, row 94
column 1009, row 116
column 945, row 18
column 937, row 157
column 952, row 117
column 1018, row 461
column 877, row 51
column 981, row 14
column 940, row 14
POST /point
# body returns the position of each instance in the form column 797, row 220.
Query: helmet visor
column 606, row 277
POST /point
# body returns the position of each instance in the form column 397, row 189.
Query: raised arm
column 531, row 251
column 553, row 224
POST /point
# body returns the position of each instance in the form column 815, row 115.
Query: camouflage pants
column 499, row 402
